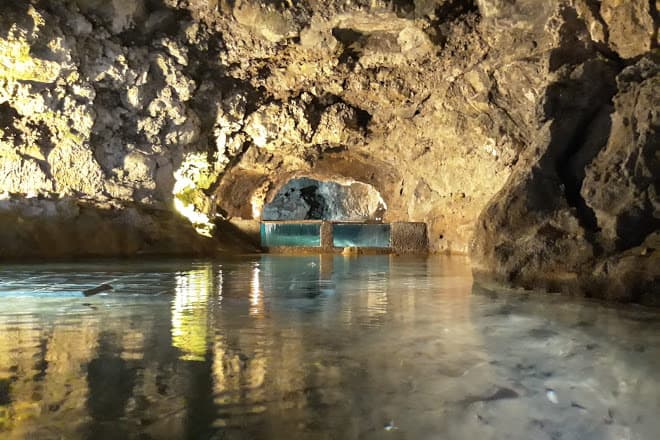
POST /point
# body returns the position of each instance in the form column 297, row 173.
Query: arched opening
column 305, row 198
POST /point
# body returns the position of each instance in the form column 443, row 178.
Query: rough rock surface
column 310, row 199
column 580, row 211
column 527, row 126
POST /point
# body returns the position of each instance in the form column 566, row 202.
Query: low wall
column 409, row 238
column 405, row 238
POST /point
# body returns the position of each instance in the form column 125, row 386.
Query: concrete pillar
column 409, row 238
column 326, row 237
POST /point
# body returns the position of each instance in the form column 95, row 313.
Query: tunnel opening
column 334, row 216
column 310, row 199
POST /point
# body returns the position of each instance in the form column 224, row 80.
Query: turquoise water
column 291, row 234
column 284, row 347
column 361, row 235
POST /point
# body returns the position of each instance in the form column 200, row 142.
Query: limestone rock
column 573, row 230
column 21, row 175
column 621, row 184
column 631, row 27
column 32, row 228
column 632, row 275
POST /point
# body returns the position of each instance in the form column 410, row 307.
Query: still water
column 284, row 347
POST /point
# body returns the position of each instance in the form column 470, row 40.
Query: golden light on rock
column 191, row 179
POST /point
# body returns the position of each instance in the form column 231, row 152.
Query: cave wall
column 206, row 108
column 310, row 199
column 526, row 128
column 579, row 212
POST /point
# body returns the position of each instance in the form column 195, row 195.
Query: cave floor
column 315, row 347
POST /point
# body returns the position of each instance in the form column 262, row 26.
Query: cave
column 311, row 199
column 295, row 219
column 334, row 217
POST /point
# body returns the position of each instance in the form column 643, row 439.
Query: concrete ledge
column 409, row 238
column 332, row 250
column 405, row 238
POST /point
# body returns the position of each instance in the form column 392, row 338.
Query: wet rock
column 500, row 394
column 390, row 426
column 578, row 406
column 98, row 289
column 620, row 184
column 33, row 228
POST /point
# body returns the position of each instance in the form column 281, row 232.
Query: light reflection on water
column 315, row 347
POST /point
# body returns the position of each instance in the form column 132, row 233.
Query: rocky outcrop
column 580, row 211
column 67, row 228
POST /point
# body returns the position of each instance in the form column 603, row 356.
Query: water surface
column 284, row 347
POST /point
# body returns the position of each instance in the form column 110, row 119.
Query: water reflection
column 190, row 311
column 256, row 300
column 314, row 347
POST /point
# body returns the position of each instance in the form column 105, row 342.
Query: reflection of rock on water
column 390, row 341
column 190, row 312
column 55, row 355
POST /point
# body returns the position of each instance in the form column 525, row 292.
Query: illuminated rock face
column 450, row 109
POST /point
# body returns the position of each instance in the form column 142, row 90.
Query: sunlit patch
column 256, row 299
column 195, row 176
column 306, row 198
column 18, row 63
column 190, row 315
column 258, row 199
column 200, row 221
column 257, row 206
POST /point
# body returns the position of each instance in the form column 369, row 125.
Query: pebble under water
column 315, row 347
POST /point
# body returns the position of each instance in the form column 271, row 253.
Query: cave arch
column 306, row 198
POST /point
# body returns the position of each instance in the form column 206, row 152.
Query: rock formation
column 580, row 211
column 527, row 128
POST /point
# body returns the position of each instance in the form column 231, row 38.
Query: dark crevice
column 453, row 9
column 421, row 104
column 363, row 118
column 335, row 149
column 580, row 109
column 403, row 8
column 634, row 226
column 576, row 45
column 314, row 110
column 7, row 117
column 350, row 39
column 443, row 15
column 5, row 392
column 572, row 162
column 349, row 57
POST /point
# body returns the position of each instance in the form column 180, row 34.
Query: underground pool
column 315, row 347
